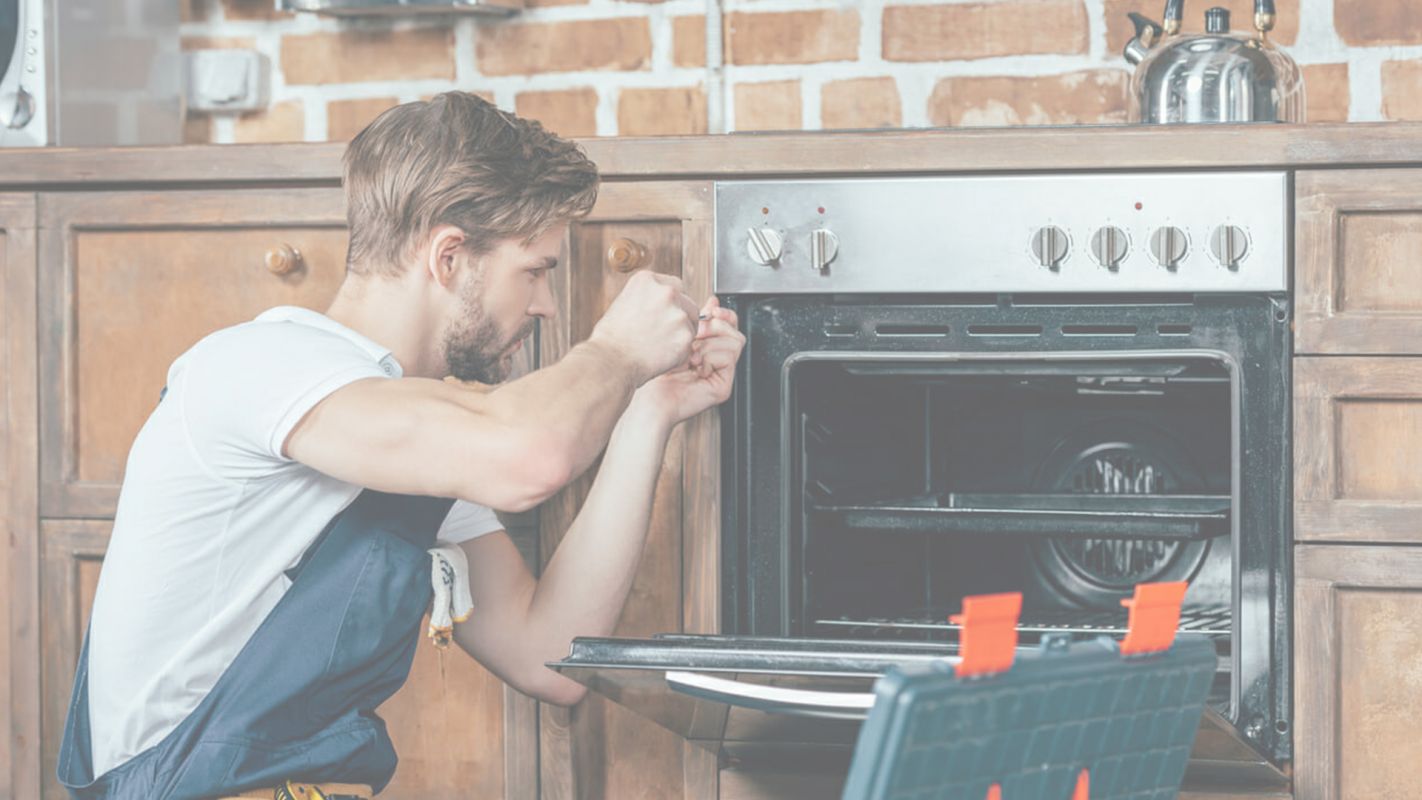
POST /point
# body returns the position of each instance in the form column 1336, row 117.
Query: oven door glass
column 9, row 34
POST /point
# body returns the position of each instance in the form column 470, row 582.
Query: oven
column 1059, row 385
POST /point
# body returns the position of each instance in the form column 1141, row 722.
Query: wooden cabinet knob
column 283, row 259
column 625, row 255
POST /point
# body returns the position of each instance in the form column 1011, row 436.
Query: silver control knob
column 1169, row 246
column 1230, row 244
column 1110, row 246
column 765, row 246
column 824, row 246
column 17, row 109
column 1050, row 245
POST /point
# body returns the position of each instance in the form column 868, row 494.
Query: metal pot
column 1217, row 76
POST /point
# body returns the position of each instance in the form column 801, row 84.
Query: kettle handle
column 1175, row 12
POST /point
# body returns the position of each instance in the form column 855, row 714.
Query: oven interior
column 918, row 481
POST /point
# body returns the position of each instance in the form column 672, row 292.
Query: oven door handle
column 772, row 699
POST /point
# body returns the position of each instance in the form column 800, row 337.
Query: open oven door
column 754, row 698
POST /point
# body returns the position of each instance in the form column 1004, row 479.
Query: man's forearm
column 574, row 403
column 583, row 588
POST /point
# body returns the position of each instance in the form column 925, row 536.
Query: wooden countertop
column 963, row 150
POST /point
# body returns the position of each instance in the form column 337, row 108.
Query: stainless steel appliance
column 1061, row 385
column 89, row 73
column 1217, row 76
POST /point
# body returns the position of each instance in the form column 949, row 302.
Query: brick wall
column 637, row 67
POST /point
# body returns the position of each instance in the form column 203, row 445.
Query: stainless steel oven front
column 1062, row 385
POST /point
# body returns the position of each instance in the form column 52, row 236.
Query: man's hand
column 651, row 322
column 705, row 380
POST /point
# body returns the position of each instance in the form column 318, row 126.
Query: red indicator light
column 822, row 209
column 1139, row 206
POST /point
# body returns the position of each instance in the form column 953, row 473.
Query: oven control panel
column 1196, row 232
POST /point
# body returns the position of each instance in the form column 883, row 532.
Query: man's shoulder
column 275, row 341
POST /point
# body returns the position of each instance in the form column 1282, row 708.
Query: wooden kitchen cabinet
column 19, row 586
column 129, row 281
column 1357, row 683
column 599, row 749
column 1358, row 450
column 1357, row 239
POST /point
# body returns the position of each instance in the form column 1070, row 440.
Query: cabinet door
column 1357, row 636
column 1358, row 450
column 19, row 605
column 1359, row 278
column 131, row 280
column 598, row 749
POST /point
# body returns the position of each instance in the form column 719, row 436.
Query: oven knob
column 17, row 109
column 765, row 246
column 1110, row 246
column 1230, row 245
column 1169, row 246
column 1049, row 245
column 824, row 246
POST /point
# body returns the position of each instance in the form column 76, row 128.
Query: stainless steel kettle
column 1217, row 76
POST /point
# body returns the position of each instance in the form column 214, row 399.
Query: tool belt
column 291, row 790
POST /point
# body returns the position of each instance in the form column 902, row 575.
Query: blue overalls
column 298, row 702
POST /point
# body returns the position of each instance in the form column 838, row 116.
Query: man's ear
column 442, row 256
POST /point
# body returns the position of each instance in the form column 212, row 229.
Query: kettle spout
column 1147, row 34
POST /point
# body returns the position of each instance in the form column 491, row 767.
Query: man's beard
column 475, row 350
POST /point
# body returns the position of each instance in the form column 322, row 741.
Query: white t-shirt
column 212, row 514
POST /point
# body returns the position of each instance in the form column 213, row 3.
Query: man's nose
column 543, row 305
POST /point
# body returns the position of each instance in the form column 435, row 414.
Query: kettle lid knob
column 1217, row 20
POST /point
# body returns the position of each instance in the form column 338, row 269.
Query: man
column 268, row 567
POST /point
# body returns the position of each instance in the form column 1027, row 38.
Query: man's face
column 502, row 295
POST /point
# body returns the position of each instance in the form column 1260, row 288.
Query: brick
column 792, row 37
column 860, row 103
column 689, row 41
column 218, row 43
column 197, row 129
column 1119, row 29
column 283, row 122
column 661, row 112
column 1094, row 96
column 1402, row 90
column 535, row 47
column 1326, row 86
column 245, row 10
column 194, row 10
column 1372, row 22
column 354, row 56
column 569, row 112
column 965, row 31
column 346, row 118
column 486, row 95
column 771, row 106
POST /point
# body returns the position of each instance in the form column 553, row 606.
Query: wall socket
column 223, row 81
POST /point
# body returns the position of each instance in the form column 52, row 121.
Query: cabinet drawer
column 1358, row 450
column 128, row 281
column 1358, row 282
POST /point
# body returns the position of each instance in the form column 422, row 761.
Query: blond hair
column 457, row 160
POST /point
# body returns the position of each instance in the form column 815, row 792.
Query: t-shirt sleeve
column 468, row 521
column 243, row 390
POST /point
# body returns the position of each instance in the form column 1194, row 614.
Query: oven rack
column 1093, row 516
column 1212, row 622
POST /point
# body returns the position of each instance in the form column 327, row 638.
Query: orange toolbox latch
column 989, row 633
column 1154, row 617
